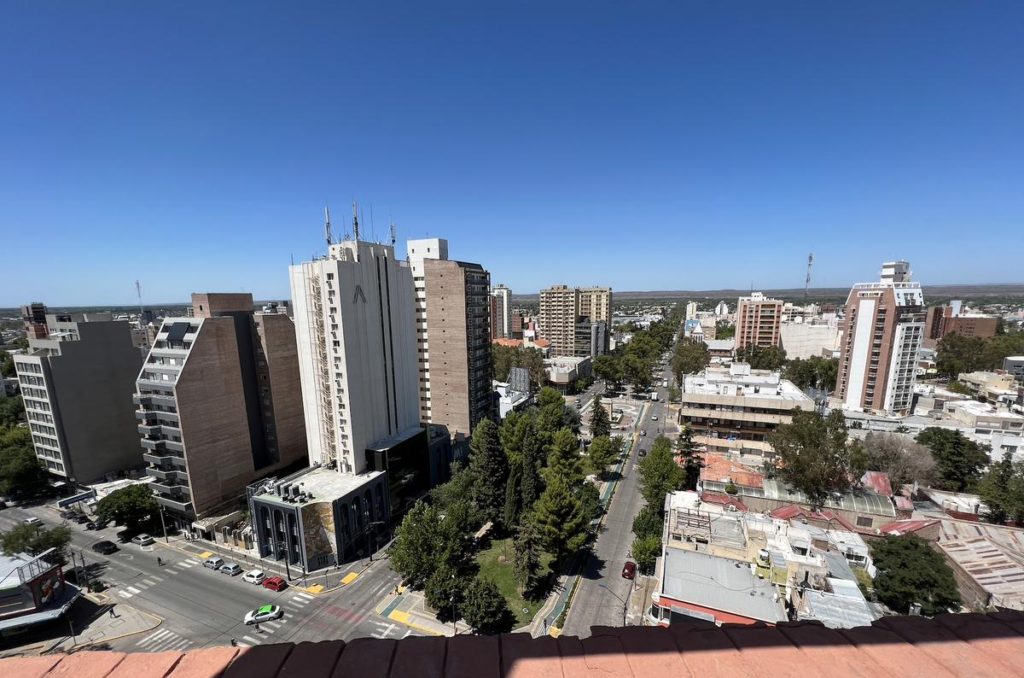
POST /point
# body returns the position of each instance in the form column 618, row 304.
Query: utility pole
column 163, row 524
column 807, row 281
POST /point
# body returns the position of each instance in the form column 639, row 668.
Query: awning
column 69, row 594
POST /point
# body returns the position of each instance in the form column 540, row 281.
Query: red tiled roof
column 723, row 499
column 543, row 343
column 717, row 467
column 508, row 342
column 825, row 516
column 899, row 527
column 877, row 481
column 948, row 645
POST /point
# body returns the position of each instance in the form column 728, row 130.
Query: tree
column 689, row 357
column 724, row 330
column 600, row 455
column 1002, row 490
column 645, row 552
column 12, row 411
column 637, row 371
column 648, row 522
column 607, row 367
column 675, row 394
column 899, row 457
column 956, row 354
column 444, row 591
column 561, row 520
column 513, row 496
column 526, row 566
column 600, row 422
column 132, row 506
column 762, row 357
column 7, row 365
column 814, row 372
column 909, row 572
column 564, row 459
column 958, row 461
column 485, row 609
column 489, row 467
column 35, row 539
column 812, row 455
column 659, row 474
column 21, row 474
column 689, row 458
column 533, row 457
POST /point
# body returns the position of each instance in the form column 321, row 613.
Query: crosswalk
column 139, row 586
column 163, row 640
column 298, row 601
column 183, row 565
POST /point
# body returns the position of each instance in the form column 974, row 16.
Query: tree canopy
column 35, row 539
column 956, row 354
column 22, row 476
column 1002, row 490
column 132, row 506
column 958, row 460
column 689, row 458
column 485, row 609
column 600, row 422
column 812, row 455
column 601, row 454
column 562, row 519
column 899, row 457
column 504, row 358
column 909, row 572
column 762, row 357
column 689, row 357
column 814, row 372
column 489, row 468
column 12, row 411
column 659, row 473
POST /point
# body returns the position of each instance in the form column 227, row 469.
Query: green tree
column 12, row 411
column 812, row 455
column 608, row 367
column 600, row 423
column 444, row 591
column 526, row 567
column 35, row 539
column 513, row 496
column 7, row 365
column 485, row 609
column 909, row 572
column 22, row 476
column 659, row 473
column 488, row 466
column 637, row 371
column 958, row 461
column 533, row 458
column 561, row 520
column 762, row 357
column 1002, row 490
column 645, row 552
column 600, row 455
column 412, row 554
column 564, row 458
column 648, row 522
column 955, row 354
column 675, row 394
column 724, row 330
column 689, row 458
column 689, row 357
column 899, row 457
column 132, row 506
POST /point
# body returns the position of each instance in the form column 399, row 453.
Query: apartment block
column 219, row 404
column 501, row 317
column 596, row 303
column 34, row 317
column 951, row 319
column 76, row 381
column 735, row 408
column 453, row 336
column 567, row 314
column 883, row 328
column 758, row 321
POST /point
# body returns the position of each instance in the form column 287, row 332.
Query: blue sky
column 683, row 145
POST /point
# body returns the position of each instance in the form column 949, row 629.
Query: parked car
column 654, row 417
column 142, row 539
column 275, row 583
column 213, row 562
column 66, row 514
column 31, row 520
column 105, row 547
column 643, row 433
column 263, row 614
column 629, row 570
column 254, row 576
column 81, row 518
column 643, row 453
column 124, row 536
column 91, row 526
column 233, row 569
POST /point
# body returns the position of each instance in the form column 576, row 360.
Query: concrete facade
column 596, row 303
column 77, row 382
column 501, row 319
column 758, row 321
column 567, row 315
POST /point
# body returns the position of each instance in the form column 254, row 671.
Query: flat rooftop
column 720, row 584
column 320, row 484
column 983, row 410
column 991, row 567
column 738, row 380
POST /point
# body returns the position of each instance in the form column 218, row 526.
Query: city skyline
column 716, row 147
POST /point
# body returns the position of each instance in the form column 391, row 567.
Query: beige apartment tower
column 219, row 404
column 758, row 321
column 596, row 303
column 566, row 314
column 453, row 336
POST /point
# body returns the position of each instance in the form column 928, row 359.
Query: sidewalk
column 640, row 599
column 410, row 608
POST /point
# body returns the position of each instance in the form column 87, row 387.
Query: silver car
column 232, row 569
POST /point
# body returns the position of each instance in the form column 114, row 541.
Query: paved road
column 200, row 607
column 603, row 595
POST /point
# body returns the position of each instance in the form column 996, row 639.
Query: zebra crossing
column 183, row 565
column 266, row 632
column 139, row 586
column 298, row 601
column 162, row 640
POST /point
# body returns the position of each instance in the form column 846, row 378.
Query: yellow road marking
column 349, row 578
column 554, row 631
column 314, row 588
column 205, row 554
column 404, row 618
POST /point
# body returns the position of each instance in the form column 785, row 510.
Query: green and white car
column 263, row 614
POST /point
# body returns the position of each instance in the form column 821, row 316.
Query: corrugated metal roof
column 720, row 584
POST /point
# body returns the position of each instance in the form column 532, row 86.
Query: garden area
column 496, row 564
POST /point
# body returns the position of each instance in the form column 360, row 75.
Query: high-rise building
column 691, row 310
column 453, row 336
column 951, row 319
column 219, row 404
column 882, row 332
column 501, row 319
column 76, row 383
column 517, row 324
column 34, row 317
column 566, row 314
column 596, row 303
column 758, row 321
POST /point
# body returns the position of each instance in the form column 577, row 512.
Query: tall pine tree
column 689, row 458
column 533, row 460
column 513, row 497
column 561, row 519
column 600, row 423
column 564, row 459
column 526, row 567
column 489, row 468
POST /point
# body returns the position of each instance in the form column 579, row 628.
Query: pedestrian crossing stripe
column 304, row 596
column 251, row 640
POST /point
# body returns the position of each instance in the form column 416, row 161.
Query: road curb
column 159, row 621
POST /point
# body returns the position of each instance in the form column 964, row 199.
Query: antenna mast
column 355, row 221
column 142, row 326
column 327, row 226
column 807, row 281
column 392, row 234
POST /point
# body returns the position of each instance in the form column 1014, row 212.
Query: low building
column 805, row 340
column 564, row 372
column 989, row 385
column 984, row 418
column 862, row 510
column 735, row 408
column 32, row 591
column 1015, row 365
column 951, row 319
column 987, row 575
column 720, row 348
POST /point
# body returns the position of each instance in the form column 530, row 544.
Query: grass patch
column 496, row 565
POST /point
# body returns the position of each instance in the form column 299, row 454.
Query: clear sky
column 683, row 145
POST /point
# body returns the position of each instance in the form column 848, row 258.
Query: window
column 864, row 522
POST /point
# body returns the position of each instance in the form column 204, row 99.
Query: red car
column 275, row 583
column 629, row 570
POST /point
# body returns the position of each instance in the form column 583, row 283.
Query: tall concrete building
column 370, row 459
column 566, row 315
column 596, row 303
column 951, row 319
column 501, row 318
column 758, row 321
column 76, row 382
column 453, row 336
column 882, row 332
column 34, row 317
column 219, row 404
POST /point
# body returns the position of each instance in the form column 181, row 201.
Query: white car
column 263, row 614
column 654, row 418
column 254, row 576
column 142, row 539
column 31, row 520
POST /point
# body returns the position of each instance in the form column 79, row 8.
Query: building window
column 864, row 522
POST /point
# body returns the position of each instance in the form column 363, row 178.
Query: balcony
column 147, row 400
column 170, row 476
column 180, row 504
column 149, row 428
column 171, row 488
column 156, row 445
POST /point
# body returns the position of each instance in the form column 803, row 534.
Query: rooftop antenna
column 138, row 292
column 807, row 281
column 327, row 226
column 355, row 221
column 392, row 234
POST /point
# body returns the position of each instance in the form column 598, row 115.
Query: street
column 201, row 607
column 603, row 595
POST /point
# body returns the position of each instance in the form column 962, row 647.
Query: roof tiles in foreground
column 948, row 645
